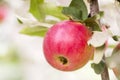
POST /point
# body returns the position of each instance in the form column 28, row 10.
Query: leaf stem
column 94, row 9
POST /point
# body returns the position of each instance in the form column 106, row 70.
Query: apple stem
column 94, row 9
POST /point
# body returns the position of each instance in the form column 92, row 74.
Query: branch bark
column 94, row 9
column 105, row 74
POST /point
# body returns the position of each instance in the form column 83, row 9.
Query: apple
column 65, row 45
column 3, row 12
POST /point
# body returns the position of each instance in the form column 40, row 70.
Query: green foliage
column 10, row 57
column 77, row 10
column 98, row 68
column 55, row 11
column 19, row 21
column 115, row 37
column 97, row 16
column 39, row 10
column 35, row 31
column 92, row 22
column 72, row 13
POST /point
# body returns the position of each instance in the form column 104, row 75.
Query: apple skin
column 65, row 45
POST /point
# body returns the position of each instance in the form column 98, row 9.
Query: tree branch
column 94, row 9
column 105, row 74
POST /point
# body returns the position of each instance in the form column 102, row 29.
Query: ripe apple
column 3, row 12
column 65, row 45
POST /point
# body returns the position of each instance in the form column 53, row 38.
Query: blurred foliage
column 55, row 11
column 35, row 31
column 115, row 37
column 118, row 0
column 10, row 64
column 40, row 10
column 20, row 21
column 10, row 57
column 37, row 9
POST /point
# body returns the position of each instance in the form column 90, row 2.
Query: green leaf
column 98, row 68
column 19, row 21
column 35, row 31
column 37, row 9
column 77, row 10
column 115, row 37
column 72, row 13
column 79, row 4
column 92, row 24
column 55, row 11
column 97, row 16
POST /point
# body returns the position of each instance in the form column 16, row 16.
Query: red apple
column 3, row 12
column 65, row 45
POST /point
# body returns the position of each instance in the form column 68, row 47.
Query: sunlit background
column 21, row 56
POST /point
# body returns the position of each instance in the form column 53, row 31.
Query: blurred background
column 21, row 56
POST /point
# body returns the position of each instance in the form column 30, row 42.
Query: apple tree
column 74, row 33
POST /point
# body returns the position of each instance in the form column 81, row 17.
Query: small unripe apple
column 65, row 45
